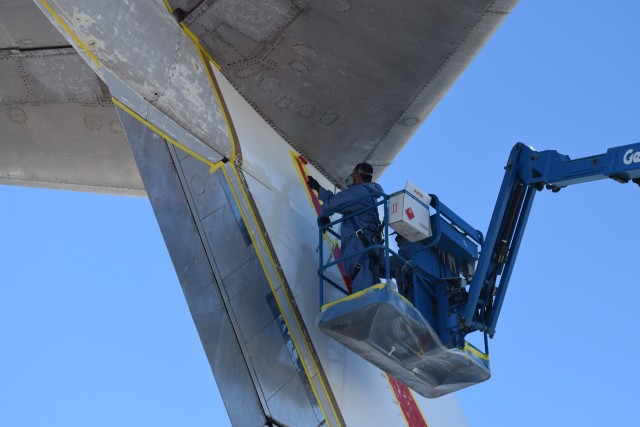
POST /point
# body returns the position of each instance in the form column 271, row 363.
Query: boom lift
column 458, row 278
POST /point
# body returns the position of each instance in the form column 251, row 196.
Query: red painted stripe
column 337, row 253
column 407, row 403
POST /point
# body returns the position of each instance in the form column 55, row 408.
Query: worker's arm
column 342, row 201
column 323, row 194
column 348, row 200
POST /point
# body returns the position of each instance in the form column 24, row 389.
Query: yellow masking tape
column 214, row 167
column 273, row 289
column 162, row 134
column 223, row 108
column 73, row 35
column 192, row 36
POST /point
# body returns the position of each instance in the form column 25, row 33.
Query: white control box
column 408, row 217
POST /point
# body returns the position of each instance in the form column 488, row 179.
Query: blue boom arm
column 528, row 171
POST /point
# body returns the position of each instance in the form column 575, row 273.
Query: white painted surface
column 361, row 390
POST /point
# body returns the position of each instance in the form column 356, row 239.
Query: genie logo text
column 631, row 157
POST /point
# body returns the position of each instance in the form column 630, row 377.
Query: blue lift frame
column 527, row 172
column 446, row 226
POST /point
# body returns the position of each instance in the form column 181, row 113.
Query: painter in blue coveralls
column 357, row 232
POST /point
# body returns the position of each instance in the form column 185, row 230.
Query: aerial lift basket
column 384, row 328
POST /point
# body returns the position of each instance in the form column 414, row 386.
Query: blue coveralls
column 367, row 221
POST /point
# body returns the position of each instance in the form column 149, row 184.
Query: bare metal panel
column 66, row 146
column 123, row 93
column 332, row 76
column 256, row 291
column 13, row 79
column 293, row 395
column 300, row 396
column 345, row 77
column 208, row 191
column 213, row 254
column 53, row 75
column 276, row 370
column 227, row 360
column 23, row 26
column 212, row 321
column 244, row 277
column 143, row 46
column 235, row 251
column 59, row 127
column 61, row 77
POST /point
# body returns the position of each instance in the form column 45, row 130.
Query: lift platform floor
column 387, row 330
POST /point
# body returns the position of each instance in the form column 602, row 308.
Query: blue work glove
column 313, row 184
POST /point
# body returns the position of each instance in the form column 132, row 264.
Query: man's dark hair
column 365, row 170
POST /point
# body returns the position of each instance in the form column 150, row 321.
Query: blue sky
column 94, row 329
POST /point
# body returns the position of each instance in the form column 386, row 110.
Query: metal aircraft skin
column 217, row 102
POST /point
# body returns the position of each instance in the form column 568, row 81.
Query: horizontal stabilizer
column 384, row 328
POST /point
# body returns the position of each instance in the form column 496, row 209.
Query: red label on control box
column 409, row 213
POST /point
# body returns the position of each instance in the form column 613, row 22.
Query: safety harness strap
column 373, row 256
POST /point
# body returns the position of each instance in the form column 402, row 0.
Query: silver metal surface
column 224, row 284
column 148, row 111
column 229, row 247
column 286, row 302
column 284, row 398
column 343, row 76
column 59, row 127
column 276, row 370
column 293, row 395
column 250, row 322
column 53, row 75
column 237, row 388
column 196, row 274
column 331, row 76
column 143, row 45
column 207, row 190
column 22, row 26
